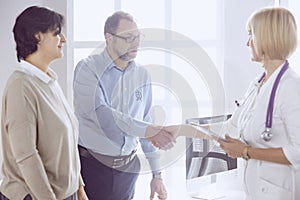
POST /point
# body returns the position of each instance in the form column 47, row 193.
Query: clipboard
column 207, row 120
column 200, row 123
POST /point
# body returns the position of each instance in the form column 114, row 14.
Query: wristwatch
column 245, row 153
column 157, row 176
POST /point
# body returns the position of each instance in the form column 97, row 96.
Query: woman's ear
column 39, row 36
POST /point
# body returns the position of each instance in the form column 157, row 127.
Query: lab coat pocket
column 275, row 181
column 270, row 191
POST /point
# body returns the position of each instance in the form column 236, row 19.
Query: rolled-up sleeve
column 152, row 153
column 290, row 111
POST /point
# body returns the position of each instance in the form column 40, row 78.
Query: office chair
column 204, row 157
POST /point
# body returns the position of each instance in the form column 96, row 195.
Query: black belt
column 110, row 161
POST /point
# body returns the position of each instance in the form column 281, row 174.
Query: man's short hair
column 112, row 22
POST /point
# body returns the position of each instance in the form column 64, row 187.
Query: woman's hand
column 81, row 193
column 233, row 147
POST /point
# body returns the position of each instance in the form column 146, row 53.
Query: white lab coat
column 265, row 180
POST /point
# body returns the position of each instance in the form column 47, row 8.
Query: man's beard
column 125, row 57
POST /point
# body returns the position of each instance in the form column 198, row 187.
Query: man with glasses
column 112, row 100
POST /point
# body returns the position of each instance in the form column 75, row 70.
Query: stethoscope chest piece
column 266, row 135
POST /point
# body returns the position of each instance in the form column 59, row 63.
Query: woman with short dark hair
column 39, row 129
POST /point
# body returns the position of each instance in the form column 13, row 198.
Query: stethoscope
column 267, row 134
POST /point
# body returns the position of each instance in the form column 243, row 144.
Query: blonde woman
column 265, row 128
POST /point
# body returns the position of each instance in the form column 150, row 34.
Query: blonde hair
column 274, row 32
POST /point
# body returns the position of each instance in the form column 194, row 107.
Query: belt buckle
column 118, row 162
column 131, row 156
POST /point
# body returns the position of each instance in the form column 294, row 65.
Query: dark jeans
column 28, row 197
column 105, row 183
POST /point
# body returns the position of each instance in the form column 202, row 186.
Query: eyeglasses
column 128, row 39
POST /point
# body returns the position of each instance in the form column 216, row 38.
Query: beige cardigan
column 39, row 139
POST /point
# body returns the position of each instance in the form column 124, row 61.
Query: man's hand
column 157, row 186
column 160, row 138
column 81, row 193
column 188, row 131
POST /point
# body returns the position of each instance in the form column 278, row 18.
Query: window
column 89, row 19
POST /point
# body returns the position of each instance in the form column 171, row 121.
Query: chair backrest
column 204, row 157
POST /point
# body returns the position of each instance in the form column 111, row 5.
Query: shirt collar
column 271, row 79
column 35, row 71
column 276, row 72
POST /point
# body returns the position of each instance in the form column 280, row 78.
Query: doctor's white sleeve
column 290, row 112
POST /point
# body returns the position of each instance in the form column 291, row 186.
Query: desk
column 227, row 183
column 213, row 192
column 223, row 186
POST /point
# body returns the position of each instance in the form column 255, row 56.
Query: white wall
column 8, row 13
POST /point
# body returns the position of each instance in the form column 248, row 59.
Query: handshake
column 164, row 137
